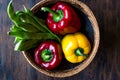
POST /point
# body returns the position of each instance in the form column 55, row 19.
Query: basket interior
column 86, row 28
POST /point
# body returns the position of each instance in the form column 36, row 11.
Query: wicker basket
column 90, row 28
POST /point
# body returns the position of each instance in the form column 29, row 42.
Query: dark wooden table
column 106, row 64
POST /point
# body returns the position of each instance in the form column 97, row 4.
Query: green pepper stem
column 57, row 15
column 46, row 55
column 79, row 52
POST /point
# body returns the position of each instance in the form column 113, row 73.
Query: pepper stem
column 79, row 52
column 57, row 15
column 46, row 55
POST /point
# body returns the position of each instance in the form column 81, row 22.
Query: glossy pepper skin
column 48, row 55
column 75, row 47
column 62, row 19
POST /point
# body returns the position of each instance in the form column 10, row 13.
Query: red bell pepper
column 48, row 55
column 62, row 19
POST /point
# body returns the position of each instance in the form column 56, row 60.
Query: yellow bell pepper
column 75, row 47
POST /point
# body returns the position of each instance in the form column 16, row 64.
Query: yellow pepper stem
column 79, row 52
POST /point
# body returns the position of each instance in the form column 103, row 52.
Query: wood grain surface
column 105, row 66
